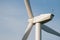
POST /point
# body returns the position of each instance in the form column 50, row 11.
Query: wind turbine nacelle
column 43, row 18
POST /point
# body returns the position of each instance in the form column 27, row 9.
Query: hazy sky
column 13, row 18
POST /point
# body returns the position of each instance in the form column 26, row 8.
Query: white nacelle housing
column 43, row 18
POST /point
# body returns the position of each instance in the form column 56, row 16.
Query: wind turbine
column 39, row 22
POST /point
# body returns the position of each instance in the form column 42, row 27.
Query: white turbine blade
column 27, row 32
column 27, row 4
column 49, row 30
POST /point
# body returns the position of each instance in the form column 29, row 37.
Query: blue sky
column 13, row 18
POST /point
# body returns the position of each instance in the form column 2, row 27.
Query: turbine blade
column 49, row 30
column 27, row 32
column 27, row 4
